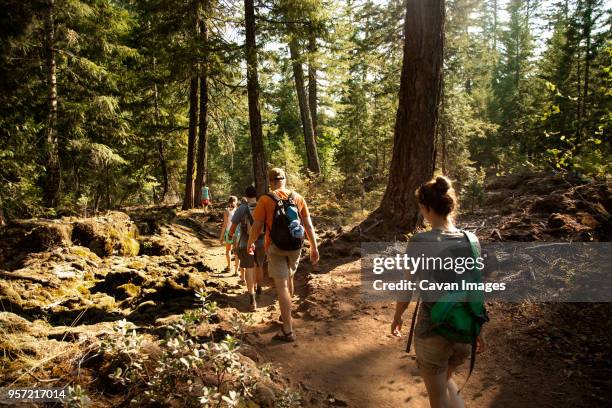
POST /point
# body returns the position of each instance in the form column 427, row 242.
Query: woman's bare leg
column 454, row 398
column 437, row 390
column 236, row 264
column 228, row 256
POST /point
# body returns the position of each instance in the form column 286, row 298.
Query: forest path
column 345, row 356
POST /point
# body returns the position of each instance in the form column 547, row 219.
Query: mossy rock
column 129, row 246
column 127, row 290
column 12, row 323
column 154, row 247
column 84, row 252
column 111, row 234
column 114, row 280
column 137, row 264
column 46, row 236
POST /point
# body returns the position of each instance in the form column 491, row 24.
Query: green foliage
column 286, row 157
column 205, row 374
column 526, row 84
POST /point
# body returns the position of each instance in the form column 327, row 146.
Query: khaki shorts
column 435, row 354
column 282, row 264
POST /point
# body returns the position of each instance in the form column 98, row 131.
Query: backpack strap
column 472, row 361
column 412, row 325
column 473, row 241
column 273, row 196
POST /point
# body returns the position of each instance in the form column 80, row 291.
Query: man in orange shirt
column 282, row 263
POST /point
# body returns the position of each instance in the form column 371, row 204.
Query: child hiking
column 286, row 218
column 225, row 237
column 253, row 263
column 439, row 345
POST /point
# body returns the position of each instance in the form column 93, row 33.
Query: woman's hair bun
column 442, row 184
column 438, row 195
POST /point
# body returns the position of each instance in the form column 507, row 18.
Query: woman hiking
column 437, row 357
column 225, row 237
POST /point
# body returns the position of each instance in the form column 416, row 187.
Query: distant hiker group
column 271, row 230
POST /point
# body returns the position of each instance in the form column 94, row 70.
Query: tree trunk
column 164, row 169
column 312, row 82
column 309, row 136
column 202, row 157
column 188, row 200
column 495, row 11
column 51, row 181
column 588, row 26
column 160, row 144
column 417, row 114
column 193, row 130
column 257, row 143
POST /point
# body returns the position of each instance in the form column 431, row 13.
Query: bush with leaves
column 184, row 369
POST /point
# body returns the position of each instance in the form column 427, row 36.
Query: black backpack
column 280, row 233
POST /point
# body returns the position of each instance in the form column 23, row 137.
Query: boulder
column 111, row 234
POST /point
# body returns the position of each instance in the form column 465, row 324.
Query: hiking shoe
column 253, row 304
column 258, row 290
column 286, row 337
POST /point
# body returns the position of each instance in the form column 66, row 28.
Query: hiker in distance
column 286, row 218
column 253, row 263
column 439, row 347
column 225, row 237
column 205, row 199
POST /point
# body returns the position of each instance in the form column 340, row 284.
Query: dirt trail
column 345, row 356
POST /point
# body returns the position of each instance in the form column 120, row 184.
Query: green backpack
column 458, row 316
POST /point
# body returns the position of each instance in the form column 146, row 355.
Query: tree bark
column 164, row 169
column 160, row 144
column 51, row 181
column 188, row 200
column 193, row 130
column 309, row 136
column 588, row 27
column 257, row 143
column 312, row 81
column 417, row 114
column 202, row 157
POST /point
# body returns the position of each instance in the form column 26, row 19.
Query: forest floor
column 537, row 355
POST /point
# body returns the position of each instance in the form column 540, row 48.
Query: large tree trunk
column 160, row 143
column 417, row 114
column 193, row 130
column 309, row 136
column 51, row 181
column 164, row 170
column 188, row 200
column 202, row 157
column 588, row 27
column 312, row 81
column 257, row 143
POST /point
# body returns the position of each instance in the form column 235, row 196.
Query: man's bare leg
column 250, row 280
column 284, row 301
column 290, row 286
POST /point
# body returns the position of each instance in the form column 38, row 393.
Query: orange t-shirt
column 264, row 211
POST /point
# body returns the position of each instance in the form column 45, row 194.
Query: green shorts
column 435, row 354
column 282, row 264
